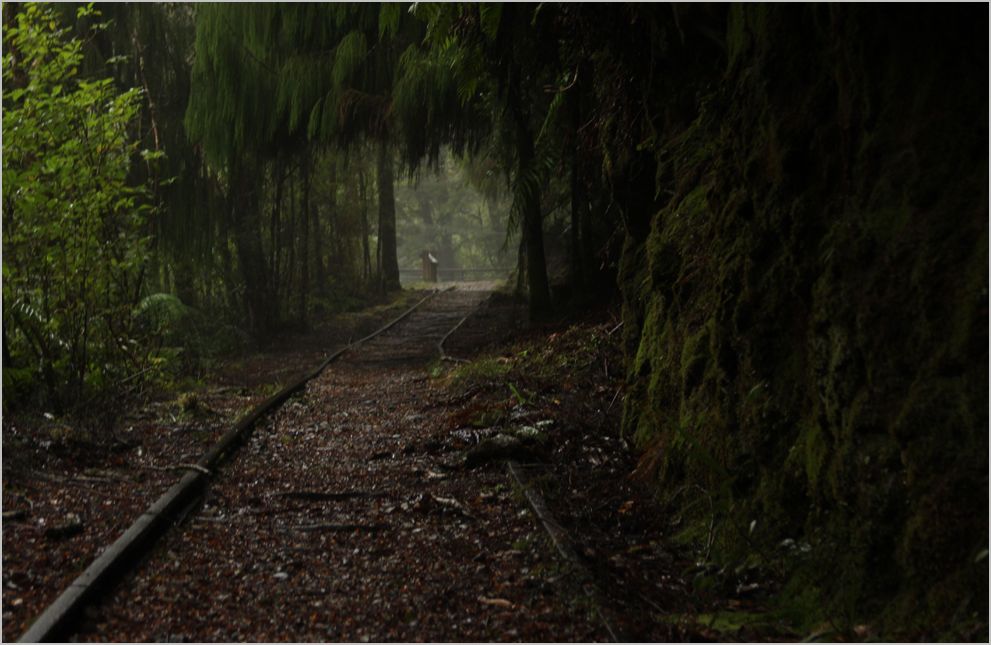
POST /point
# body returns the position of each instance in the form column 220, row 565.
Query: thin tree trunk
column 365, row 248
column 379, row 282
column 446, row 256
column 318, row 251
column 304, row 278
column 185, row 289
column 273, row 232
column 291, row 244
column 521, row 274
column 226, row 263
column 533, row 225
column 387, row 220
column 579, row 200
column 247, row 237
column 316, row 235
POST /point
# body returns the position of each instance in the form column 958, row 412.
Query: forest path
column 338, row 521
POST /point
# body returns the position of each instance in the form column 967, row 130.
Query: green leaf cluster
column 74, row 246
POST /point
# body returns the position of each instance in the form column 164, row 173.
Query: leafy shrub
column 186, row 339
column 74, row 247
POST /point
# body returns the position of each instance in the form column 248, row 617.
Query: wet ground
column 365, row 510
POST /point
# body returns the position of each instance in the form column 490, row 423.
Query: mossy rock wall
column 807, row 314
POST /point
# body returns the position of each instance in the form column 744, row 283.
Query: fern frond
column 389, row 15
column 349, row 55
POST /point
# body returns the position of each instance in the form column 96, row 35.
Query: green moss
column 482, row 370
column 737, row 35
column 731, row 622
column 807, row 334
column 694, row 360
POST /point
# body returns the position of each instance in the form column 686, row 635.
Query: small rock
column 531, row 433
column 72, row 525
column 281, row 575
column 499, row 447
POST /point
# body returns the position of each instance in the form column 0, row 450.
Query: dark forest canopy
column 790, row 202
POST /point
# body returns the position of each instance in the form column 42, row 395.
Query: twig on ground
column 341, row 527
column 196, row 467
column 614, row 397
column 320, row 496
column 216, row 520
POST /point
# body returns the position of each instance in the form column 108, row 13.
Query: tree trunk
column 579, row 202
column 304, row 234
column 533, row 224
column 387, row 220
column 185, row 288
column 290, row 238
column 446, row 255
column 365, row 248
column 274, row 224
column 318, row 252
column 251, row 258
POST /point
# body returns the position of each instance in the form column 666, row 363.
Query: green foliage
column 161, row 313
column 152, row 46
column 74, row 242
column 477, row 372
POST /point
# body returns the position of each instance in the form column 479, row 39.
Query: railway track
column 416, row 339
column 411, row 340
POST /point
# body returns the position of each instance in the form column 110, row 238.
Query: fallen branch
column 216, row 520
column 444, row 502
column 341, row 527
column 317, row 496
column 96, row 480
column 57, row 479
column 270, row 511
column 196, row 467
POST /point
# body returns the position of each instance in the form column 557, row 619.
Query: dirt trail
column 340, row 520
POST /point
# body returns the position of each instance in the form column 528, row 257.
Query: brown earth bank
column 373, row 506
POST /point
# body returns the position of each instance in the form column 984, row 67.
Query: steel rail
column 566, row 549
column 58, row 619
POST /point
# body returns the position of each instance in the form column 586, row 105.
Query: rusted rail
column 562, row 542
column 58, row 619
